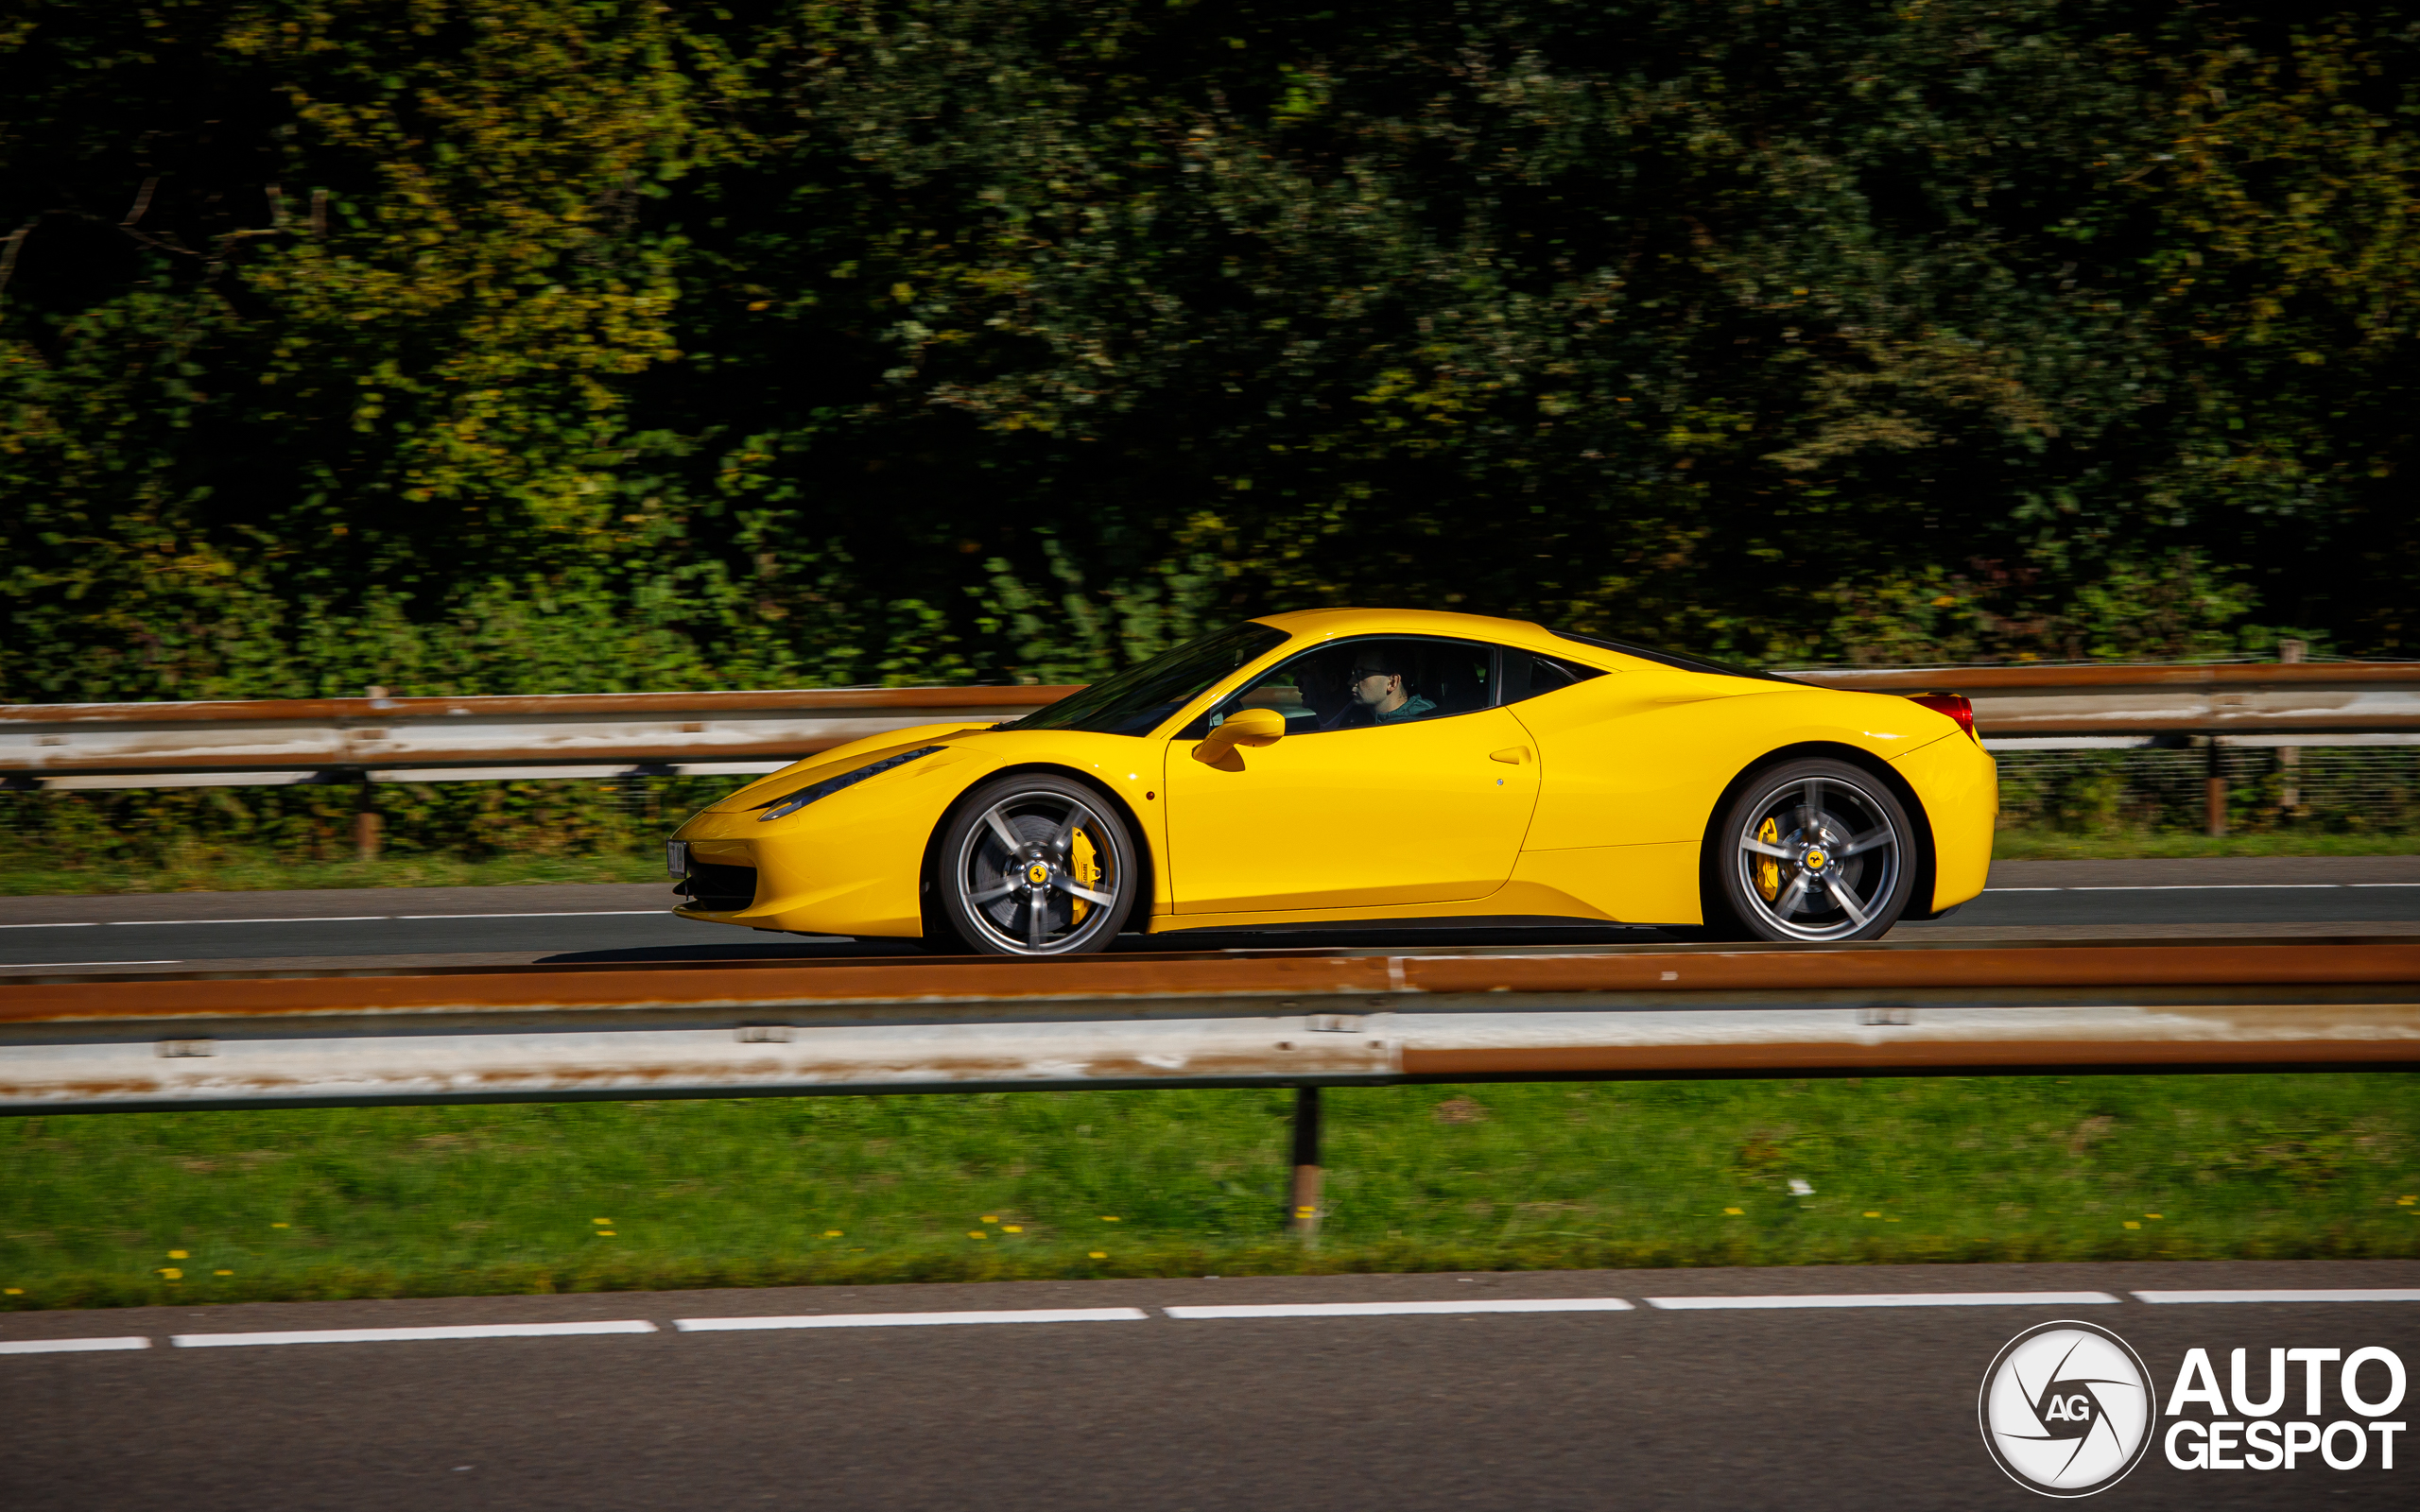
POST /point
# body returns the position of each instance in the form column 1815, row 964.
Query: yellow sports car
column 1366, row 767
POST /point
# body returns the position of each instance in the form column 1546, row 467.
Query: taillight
column 1953, row 704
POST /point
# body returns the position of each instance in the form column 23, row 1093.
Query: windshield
column 1138, row 699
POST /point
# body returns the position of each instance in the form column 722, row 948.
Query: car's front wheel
column 1815, row 851
column 1035, row 864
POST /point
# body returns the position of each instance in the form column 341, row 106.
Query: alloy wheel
column 1039, row 870
column 1819, row 852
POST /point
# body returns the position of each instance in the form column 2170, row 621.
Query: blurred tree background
column 561, row 345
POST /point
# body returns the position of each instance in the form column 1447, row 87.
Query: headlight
column 790, row 803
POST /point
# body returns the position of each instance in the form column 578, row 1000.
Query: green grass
column 235, row 870
column 2126, row 845
column 334, row 1203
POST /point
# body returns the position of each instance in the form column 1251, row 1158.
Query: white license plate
column 676, row 858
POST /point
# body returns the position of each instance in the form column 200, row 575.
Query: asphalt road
column 470, row 926
column 1866, row 1407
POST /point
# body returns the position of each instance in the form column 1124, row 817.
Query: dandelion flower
column 604, row 1233
column 2131, row 1224
column 175, row 1254
column 222, row 1273
column 1012, row 1228
column 987, row 1218
column 974, row 1233
column 606, row 1221
column 1107, row 1218
column 831, row 1233
column 14, row 1291
column 172, row 1273
column 1100, row 1254
column 1873, row 1215
column 1732, row 1212
column 2151, row 1215
column 281, row 1226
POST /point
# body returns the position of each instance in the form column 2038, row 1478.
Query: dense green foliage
column 522, row 345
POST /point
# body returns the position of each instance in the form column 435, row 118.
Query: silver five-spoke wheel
column 1036, row 866
column 1817, row 851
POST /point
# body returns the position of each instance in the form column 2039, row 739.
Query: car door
column 1344, row 813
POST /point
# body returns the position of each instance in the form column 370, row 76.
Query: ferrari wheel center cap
column 1038, row 873
column 1815, row 860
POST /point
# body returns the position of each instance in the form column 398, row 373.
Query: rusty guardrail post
column 1303, row 1212
column 2291, row 756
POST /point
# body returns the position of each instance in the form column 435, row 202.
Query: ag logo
column 2066, row 1409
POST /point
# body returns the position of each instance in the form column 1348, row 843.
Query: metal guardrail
column 1290, row 1018
column 73, row 745
column 129, row 744
column 2274, row 703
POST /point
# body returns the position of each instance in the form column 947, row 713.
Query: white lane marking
column 69, row 1346
column 565, row 913
column 2335, row 1294
column 911, row 1320
column 1691, row 1304
column 31, row 966
column 335, row 919
column 1539, row 1304
column 329, row 918
column 460, row 1330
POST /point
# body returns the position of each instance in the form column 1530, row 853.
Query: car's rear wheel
column 1035, row 864
column 1815, row 851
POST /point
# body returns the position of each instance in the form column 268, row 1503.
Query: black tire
column 1065, row 887
column 1812, row 851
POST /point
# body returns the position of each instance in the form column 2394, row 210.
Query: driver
column 1379, row 694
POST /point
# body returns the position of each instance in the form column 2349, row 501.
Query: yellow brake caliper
column 1767, row 870
column 1081, row 860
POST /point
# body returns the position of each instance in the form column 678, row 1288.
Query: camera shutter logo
column 2066, row 1409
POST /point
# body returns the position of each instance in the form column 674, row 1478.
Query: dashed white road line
column 71, row 1346
column 334, row 919
column 1539, row 1304
column 567, row 912
column 1204, row 1314
column 1691, row 1304
column 317, row 919
column 909, row 1320
column 2333, row 1294
column 464, row 1331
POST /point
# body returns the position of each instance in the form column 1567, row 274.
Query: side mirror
column 1245, row 726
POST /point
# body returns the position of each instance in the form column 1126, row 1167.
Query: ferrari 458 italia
column 1364, row 768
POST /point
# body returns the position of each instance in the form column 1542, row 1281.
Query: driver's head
column 1377, row 678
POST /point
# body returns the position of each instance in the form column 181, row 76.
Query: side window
column 1528, row 674
column 1354, row 685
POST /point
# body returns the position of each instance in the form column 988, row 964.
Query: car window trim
column 1494, row 676
column 1588, row 669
